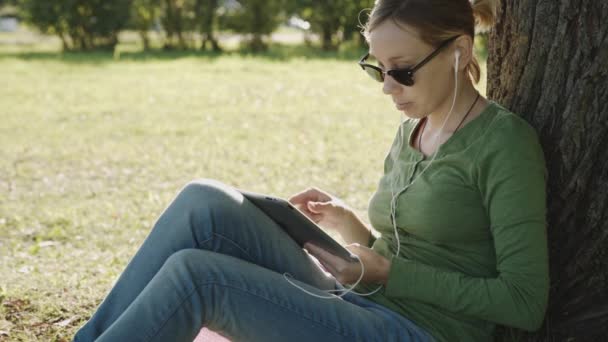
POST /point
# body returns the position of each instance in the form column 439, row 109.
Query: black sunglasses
column 404, row 76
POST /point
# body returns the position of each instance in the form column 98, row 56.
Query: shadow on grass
column 276, row 52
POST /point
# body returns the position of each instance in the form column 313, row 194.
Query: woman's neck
column 465, row 97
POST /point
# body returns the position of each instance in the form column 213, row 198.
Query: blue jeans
column 213, row 259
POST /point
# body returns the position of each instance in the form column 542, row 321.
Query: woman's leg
column 207, row 215
column 246, row 302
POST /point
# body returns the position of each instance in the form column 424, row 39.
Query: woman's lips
column 402, row 106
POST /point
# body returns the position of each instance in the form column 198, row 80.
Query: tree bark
column 548, row 62
column 327, row 43
column 205, row 14
column 143, row 34
column 174, row 24
column 257, row 43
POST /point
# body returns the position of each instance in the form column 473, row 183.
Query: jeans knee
column 205, row 191
column 183, row 258
column 204, row 186
column 189, row 264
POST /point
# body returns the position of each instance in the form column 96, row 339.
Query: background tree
column 180, row 19
column 548, row 61
column 206, row 18
column 258, row 18
column 50, row 17
column 144, row 14
column 80, row 24
column 7, row 2
column 355, row 11
column 334, row 21
column 326, row 18
column 174, row 23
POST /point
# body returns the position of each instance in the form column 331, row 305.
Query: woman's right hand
column 322, row 208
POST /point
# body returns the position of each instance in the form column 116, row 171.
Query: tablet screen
column 296, row 224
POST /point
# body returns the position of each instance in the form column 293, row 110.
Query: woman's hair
column 436, row 20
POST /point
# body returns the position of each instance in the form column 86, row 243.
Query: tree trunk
column 205, row 14
column 548, row 62
column 327, row 43
column 145, row 39
column 174, row 24
column 257, row 43
column 65, row 42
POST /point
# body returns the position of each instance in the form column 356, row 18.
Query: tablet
column 296, row 224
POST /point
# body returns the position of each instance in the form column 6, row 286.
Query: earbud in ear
column 456, row 58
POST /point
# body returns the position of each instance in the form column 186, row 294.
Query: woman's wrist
column 355, row 231
column 385, row 269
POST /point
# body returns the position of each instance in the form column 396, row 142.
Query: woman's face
column 396, row 47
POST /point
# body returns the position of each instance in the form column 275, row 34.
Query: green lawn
column 93, row 147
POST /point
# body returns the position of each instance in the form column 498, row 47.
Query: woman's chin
column 409, row 110
column 410, row 114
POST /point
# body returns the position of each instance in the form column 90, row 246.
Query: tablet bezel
column 296, row 224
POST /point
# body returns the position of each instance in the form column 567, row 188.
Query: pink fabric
column 206, row 335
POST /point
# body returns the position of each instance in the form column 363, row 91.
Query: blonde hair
column 436, row 20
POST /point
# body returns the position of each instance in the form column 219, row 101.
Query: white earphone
column 394, row 195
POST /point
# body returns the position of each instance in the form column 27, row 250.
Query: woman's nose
column 390, row 86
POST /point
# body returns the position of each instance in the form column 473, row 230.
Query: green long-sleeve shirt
column 472, row 230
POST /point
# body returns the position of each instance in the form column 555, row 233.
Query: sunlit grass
column 94, row 146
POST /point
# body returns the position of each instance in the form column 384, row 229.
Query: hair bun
column 484, row 12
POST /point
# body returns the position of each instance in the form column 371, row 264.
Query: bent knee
column 205, row 184
column 186, row 256
column 192, row 263
column 205, row 190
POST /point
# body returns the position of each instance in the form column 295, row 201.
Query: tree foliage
column 81, row 24
column 257, row 18
column 144, row 14
column 90, row 24
column 334, row 21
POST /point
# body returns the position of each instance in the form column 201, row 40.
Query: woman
column 459, row 215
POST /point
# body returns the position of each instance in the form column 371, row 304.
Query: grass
column 94, row 146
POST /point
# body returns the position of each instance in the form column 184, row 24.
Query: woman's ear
column 464, row 46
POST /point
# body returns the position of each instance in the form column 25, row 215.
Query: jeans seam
column 227, row 239
column 335, row 329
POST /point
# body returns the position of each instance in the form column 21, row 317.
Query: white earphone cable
column 395, row 163
column 396, row 172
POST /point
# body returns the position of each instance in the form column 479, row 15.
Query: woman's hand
column 376, row 266
column 322, row 208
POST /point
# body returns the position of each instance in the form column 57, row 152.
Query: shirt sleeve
column 511, row 176
column 372, row 239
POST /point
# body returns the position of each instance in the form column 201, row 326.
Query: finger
column 316, row 218
column 310, row 206
column 318, row 207
column 345, row 274
column 313, row 216
column 297, row 198
column 353, row 246
column 329, row 268
column 303, row 208
column 359, row 250
column 334, row 261
column 316, row 251
column 302, row 196
column 313, row 249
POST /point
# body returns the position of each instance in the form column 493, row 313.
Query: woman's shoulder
column 507, row 128
column 508, row 137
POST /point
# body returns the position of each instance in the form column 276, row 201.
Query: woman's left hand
column 376, row 265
